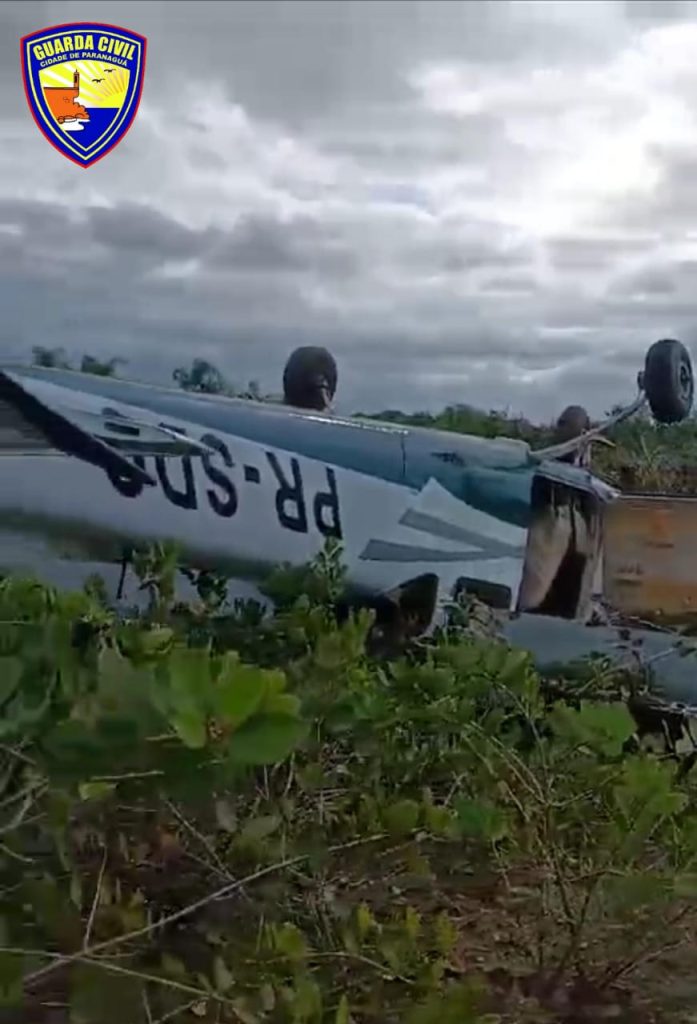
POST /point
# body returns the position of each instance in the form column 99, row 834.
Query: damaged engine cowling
column 563, row 551
column 565, row 536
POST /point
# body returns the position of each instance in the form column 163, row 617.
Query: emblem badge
column 83, row 84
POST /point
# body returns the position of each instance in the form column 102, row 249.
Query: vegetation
column 208, row 814
column 652, row 458
column 205, row 378
column 201, row 376
column 58, row 359
column 645, row 456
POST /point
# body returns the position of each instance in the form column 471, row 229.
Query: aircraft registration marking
column 295, row 507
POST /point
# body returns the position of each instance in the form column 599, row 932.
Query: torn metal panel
column 650, row 559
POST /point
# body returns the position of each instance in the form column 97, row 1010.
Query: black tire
column 668, row 381
column 308, row 369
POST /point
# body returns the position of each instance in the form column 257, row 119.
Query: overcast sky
column 493, row 203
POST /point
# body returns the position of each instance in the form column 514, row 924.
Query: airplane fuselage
column 277, row 482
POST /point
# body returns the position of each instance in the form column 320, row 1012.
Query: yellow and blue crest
column 83, row 84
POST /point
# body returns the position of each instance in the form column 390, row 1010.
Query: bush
column 233, row 817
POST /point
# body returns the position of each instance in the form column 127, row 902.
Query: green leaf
column 412, row 923
column 439, row 820
column 143, row 646
column 365, row 922
column 156, row 641
column 172, row 967
column 76, row 890
column 190, row 675
column 190, row 726
column 645, row 797
column 239, row 693
column 282, row 704
column 95, row 790
column 10, row 674
column 514, row 666
column 222, row 977
column 258, row 829
column 445, row 934
column 275, row 683
column 481, row 820
column 10, row 639
column 342, row 1012
column 605, row 728
column 266, row 739
column 122, row 685
column 307, row 1001
column 11, row 973
column 290, row 942
column 402, row 817
column 27, row 708
column 391, row 951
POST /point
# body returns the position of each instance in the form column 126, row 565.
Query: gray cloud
column 262, row 245
column 511, row 283
column 131, row 229
column 481, row 202
column 568, row 253
column 651, row 12
column 671, row 207
column 646, row 282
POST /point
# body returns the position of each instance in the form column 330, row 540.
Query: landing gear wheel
column 668, row 381
column 309, row 379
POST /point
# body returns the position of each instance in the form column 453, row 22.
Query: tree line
column 201, row 376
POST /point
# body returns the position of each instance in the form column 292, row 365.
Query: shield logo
column 83, row 84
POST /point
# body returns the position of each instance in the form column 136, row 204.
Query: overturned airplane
column 98, row 464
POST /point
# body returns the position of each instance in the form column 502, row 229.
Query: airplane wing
column 38, row 417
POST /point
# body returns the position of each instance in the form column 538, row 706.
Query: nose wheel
column 668, row 381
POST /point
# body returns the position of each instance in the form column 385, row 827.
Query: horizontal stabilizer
column 26, row 422
column 135, row 435
column 37, row 417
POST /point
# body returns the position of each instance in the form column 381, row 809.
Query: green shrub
column 211, row 814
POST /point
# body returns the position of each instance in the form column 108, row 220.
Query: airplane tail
column 41, row 418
